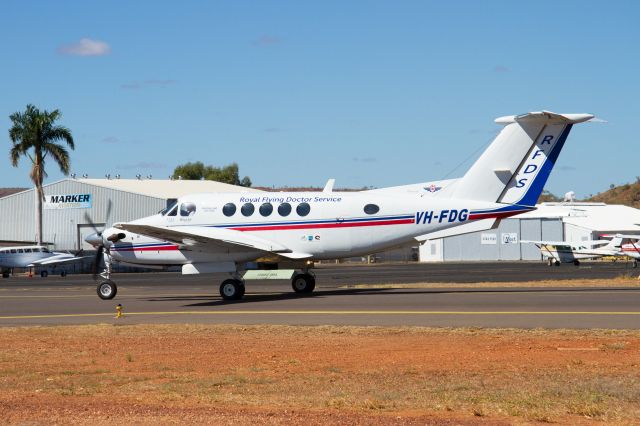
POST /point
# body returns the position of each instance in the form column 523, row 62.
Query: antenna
column 570, row 197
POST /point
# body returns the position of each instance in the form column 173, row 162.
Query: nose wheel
column 107, row 290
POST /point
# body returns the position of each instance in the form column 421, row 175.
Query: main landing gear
column 303, row 282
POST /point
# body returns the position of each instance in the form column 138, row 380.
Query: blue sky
column 373, row 93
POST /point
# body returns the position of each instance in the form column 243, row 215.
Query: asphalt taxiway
column 171, row 298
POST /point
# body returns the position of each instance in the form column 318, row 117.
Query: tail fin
column 615, row 243
column 515, row 167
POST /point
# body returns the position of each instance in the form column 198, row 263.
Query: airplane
column 32, row 256
column 557, row 252
column 209, row 233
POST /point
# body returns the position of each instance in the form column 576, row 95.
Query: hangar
column 573, row 222
column 66, row 202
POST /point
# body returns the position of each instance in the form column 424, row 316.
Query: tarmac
column 172, row 298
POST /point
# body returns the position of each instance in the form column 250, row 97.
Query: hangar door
column 530, row 229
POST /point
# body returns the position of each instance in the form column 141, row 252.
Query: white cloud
column 86, row 47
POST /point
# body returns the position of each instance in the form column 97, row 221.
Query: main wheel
column 107, row 290
column 576, row 262
column 550, row 262
column 44, row 274
column 63, row 274
column 635, row 263
column 303, row 283
column 5, row 274
column 232, row 289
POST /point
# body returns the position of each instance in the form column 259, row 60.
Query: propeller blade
column 89, row 219
column 108, row 213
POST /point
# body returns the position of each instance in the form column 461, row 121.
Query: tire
column 303, row 283
column 232, row 289
column 63, row 274
column 557, row 263
column 107, row 290
column 5, row 274
column 44, row 274
column 635, row 263
column 550, row 262
column 576, row 262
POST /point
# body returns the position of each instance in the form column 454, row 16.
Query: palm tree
column 36, row 129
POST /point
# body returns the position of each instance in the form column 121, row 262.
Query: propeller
column 97, row 240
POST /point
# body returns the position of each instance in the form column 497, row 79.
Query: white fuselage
column 323, row 225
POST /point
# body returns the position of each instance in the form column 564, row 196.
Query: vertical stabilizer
column 517, row 164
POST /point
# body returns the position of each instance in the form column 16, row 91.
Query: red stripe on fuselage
column 323, row 225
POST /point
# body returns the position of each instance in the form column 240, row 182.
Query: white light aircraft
column 557, row 252
column 206, row 233
column 32, row 256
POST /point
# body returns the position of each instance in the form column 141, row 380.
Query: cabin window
column 229, row 209
column 266, row 209
column 45, row 250
column 187, row 209
column 284, row 209
column 20, row 251
column 247, row 209
column 37, row 250
column 27, row 250
column 371, row 209
column 13, row 251
column 303, row 209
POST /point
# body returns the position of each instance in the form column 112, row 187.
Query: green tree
column 34, row 134
column 195, row 171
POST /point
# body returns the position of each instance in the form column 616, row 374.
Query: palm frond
column 59, row 154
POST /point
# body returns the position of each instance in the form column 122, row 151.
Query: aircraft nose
column 94, row 239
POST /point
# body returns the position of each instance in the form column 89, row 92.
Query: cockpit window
column 187, row 209
column 45, row 250
column 169, row 207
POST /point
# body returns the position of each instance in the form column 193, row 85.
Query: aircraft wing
column 209, row 238
column 546, row 243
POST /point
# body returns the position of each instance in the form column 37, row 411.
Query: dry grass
column 323, row 374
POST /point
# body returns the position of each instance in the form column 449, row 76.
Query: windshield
column 168, row 208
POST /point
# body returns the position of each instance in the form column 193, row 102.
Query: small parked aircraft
column 206, row 233
column 557, row 252
column 32, row 256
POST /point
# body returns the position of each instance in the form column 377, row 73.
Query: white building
column 68, row 203
column 573, row 222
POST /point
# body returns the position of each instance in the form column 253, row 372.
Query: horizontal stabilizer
column 475, row 226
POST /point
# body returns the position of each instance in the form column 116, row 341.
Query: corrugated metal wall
column 469, row 246
column 62, row 227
